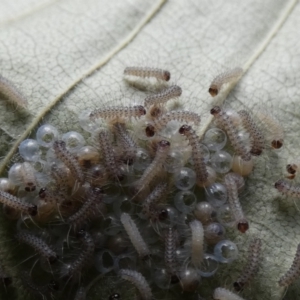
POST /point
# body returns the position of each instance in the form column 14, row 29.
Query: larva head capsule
column 167, row 75
column 277, row 144
column 279, row 185
column 140, row 109
column 242, row 225
column 291, row 168
column 238, row 286
column 43, row 193
column 215, row 110
column 213, row 90
column 184, row 129
column 32, row 210
column 164, row 144
column 114, row 296
column 150, row 131
column 59, row 144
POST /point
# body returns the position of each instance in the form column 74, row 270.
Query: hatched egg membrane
column 69, row 207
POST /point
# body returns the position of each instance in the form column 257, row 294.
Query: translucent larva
column 229, row 76
column 287, row 189
column 252, row 265
column 135, row 236
column 203, row 175
column 17, row 203
column 181, row 116
column 68, row 159
column 153, row 169
column 145, row 72
column 9, row 91
column 170, row 254
column 231, row 181
column 38, row 244
column 294, row 272
column 257, row 138
column 197, row 243
column 139, row 281
column 223, row 294
column 225, row 120
column 165, row 95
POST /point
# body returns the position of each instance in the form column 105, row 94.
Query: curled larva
column 68, row 159
column 135, row 236
column 181, row 116
column 287, row 189
column 165, row 95
column 197, row 243
column 115, row 112
column 232, row 181
column 223, row 294
column 17, row 203
column 227, row 124
column 257, row 138
column 38, row 245
column 170, row 254
column 8, row 90
column 252, row 265
column 139, row 281
column 145, row 72
column 225, row 77
column 294, row 272
column 204, row 174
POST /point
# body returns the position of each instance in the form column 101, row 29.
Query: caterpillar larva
column 68, row 159
column 170, row 254
column 223, row 294
column 139, row 281
column 181, row 116
column 197, row 243
column 17, row 203
column 165, row 95
column 148, row 72
column 38, row 244
column 231, row 181
column 252, row 265
column 294, row 272
column 225, row 77
column 258, row 140
column 135, row 236
column 8, row 89
column 61, row 177
column 287, row 189
column 115, row 112
column 204, row 174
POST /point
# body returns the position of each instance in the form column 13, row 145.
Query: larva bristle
column 197, row 243
column 287, row 189
column 61, row 177
column 228, row 125
column 139, row 281
column 135, row 236
column 68, row 159
column 116, row 112
column 294, row 272
column 17, row 203
column 258, row 140
column 38, row 244
column 145, row 72
column 252, row 265
column 165, row 95
column 223, row 294
column 232, row 181
column 8, row 90
column 225, row 77
column 170, row 254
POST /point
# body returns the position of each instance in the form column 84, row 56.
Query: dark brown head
column 59, row 144
column 53, row 259
column 279, row 185
column 291, row 168
column 238, row 286
column 30, row 187
column 43, row 193
column 163, row 215
column 164, row 144
column 213, row 90
column 215, row 110
column 150, row 131
column 141, row 110
column 184, row 129
column 277, row 144
column 167, row 75
column 155, row 111
column 243, row 226
column 32, row 210
column 256, row 152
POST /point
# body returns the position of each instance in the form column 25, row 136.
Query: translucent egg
column 226, row 251
column 6, row 185
column 74, row 141
column 30, row 150
column 86, row 123
column 189, row 279
column 205, row 212
column 142, row 160
column 117, row 244
column 173, row 162
column 124, row 261
column 221, row 161
column 185, row 201
column 161, row 278
column 209, row 265
column 216, row 194
column 87, row 156
column 46, row 135
column 206, row 153
column 242, row 167
column 214, row 232
column 215, row 139
column 185, row 179
column 104, row 261
column 123, row 204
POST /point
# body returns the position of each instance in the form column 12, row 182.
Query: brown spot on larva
column 141, row 109
column 256, row 152
column 42, row 193
column 277, row 144
column 155, row 112
column 7, row 281
column 32, row 210
column 167, row 75
column 291, row 168
column 213, row 90
column 27, row 189
column 163, row 215
column 150, row 131
column 243, row 226
column 291, row 176
column 184, row 128
column 215, row 110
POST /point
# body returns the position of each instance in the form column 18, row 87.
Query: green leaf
column 67, row 56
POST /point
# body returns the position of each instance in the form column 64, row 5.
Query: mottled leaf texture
column 69, row 55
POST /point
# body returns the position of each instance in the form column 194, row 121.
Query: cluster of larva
column 147, row 200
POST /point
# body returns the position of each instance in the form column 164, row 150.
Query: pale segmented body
column 223, row 294
column 17, row 203
column 8, row 90
column 197, row 243
column 139, row 281
column 38, row 244
column 135, row 236
column 225, row 77
column 227, row 124
column 115, row 112
column 287, row 189
column 165, row 95
column 294, row 272
column 68, row 159
column 252, row 265
column 232, row 182
column 258, row 141
column 145, row 72
column 170, row 254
